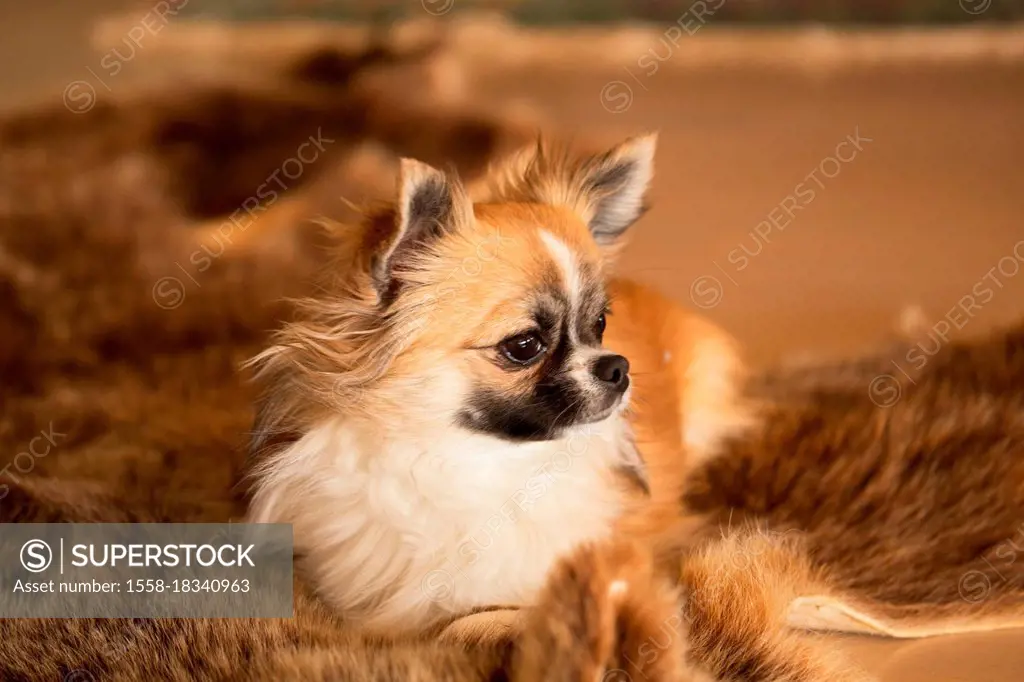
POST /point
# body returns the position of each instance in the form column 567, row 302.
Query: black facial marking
column 547, row 319
column 516, row 419
column 592, row 304
column 555, row 399
column 553, row 402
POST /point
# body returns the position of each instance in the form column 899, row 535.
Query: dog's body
column 444, row 423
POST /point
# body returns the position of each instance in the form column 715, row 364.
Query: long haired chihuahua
column 473, row 395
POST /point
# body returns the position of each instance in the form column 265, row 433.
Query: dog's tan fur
column 148, row 414
column 364, row 390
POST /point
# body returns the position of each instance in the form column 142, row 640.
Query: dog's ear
column 607, row 190
column 429, row 204
column 614, row 185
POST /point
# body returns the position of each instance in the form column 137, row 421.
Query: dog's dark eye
column 599, row 326
column 522, row 348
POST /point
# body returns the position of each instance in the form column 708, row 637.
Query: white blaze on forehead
column 566, row 261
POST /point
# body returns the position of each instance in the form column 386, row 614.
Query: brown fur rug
column 838, row 514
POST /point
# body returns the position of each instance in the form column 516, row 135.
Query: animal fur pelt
column 906, row 487
column 908, row 515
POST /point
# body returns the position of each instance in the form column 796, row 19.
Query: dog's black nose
column 613, row 370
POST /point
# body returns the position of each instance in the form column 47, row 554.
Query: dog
column 474, row 394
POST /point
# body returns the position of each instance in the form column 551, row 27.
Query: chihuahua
column 473, row 394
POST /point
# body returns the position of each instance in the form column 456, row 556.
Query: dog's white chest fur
column 399, row 532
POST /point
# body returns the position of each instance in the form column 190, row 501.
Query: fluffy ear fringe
column 607, row 190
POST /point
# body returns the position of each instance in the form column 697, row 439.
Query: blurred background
column 798, row 242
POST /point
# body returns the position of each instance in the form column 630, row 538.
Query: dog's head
column 489, row 315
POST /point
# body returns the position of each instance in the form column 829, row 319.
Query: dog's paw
column 486, row 627
column 603, row 616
